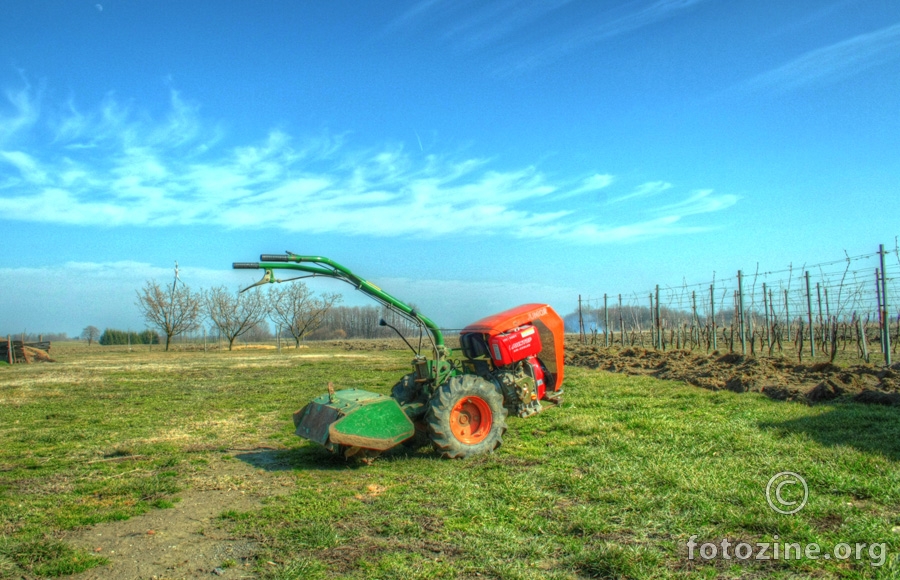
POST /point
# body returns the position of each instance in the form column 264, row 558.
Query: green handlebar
column 321, row 266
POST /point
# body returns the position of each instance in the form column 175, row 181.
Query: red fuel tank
column 515, row 345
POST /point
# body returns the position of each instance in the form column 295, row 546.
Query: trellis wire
column 829, row 305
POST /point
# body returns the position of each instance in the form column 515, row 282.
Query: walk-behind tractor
column 510, row 362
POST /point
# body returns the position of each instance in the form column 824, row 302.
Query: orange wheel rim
column 470, row 420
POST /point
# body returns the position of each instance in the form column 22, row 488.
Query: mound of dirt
column 775, row 377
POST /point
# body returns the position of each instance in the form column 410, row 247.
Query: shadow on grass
column 868, row 428
column 314, row 458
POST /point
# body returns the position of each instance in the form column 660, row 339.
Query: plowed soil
column 778, row 378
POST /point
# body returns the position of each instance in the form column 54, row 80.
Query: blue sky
column 466, row 156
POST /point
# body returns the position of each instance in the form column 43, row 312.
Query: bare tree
column 296, row 309
column 90, row 334
column 172, row 309
column 234, row 314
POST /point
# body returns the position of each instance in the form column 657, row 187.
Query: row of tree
column 298, row 313
column 112, row 336
column 176, row 309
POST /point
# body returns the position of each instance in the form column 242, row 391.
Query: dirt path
column 187, row 540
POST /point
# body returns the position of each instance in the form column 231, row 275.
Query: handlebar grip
column 245, row 265
column 273, row 258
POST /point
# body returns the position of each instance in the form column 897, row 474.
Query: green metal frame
column 321, row 266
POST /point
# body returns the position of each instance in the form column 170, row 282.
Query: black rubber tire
column 405, row 390
column 438, row 416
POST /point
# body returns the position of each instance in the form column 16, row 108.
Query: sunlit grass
column 610, row 485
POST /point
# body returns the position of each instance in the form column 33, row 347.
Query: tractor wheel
column 405, row 390
column 466, row 417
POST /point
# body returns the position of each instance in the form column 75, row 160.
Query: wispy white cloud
column 832, row 63
column 588, row 185
column 23, row 116
column 497, row 20
column 493, row 26
column 701, row 201
column 604, row 26
column 113, row 167
column 644, row 190
column 632, row 232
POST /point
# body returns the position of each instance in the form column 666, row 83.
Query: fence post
column 606, row 320
column 809, row 316
column 741, row 311
column 821, row 320
column 695, row 322
column 9, row 350
column 712, row 313
column 775, row 335
column 861, row 332
column 766, row 311
column 787, row 315
column 659, row 336
column 878, row 300
column 886, row 342
column 621, row 321
column 580, row 321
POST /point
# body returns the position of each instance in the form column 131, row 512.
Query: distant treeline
column 361, row 322
column 35, row 337
column 112, row 336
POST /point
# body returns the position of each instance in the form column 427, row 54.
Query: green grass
column 610, row 485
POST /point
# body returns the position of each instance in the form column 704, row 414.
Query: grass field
column 613, row 484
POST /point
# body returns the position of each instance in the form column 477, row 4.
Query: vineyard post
column 821, row 320
column 658, row 323
column 621, row 321
column 766, row 310
column 653, row 332
column 741, row 311
column 828, row 321
column 861, row 333
column 580, row 321
column 9, row 350
column 776, row 335
column 878, row 300
column 886, row 343
column 750, row 323
column 606, row 319
column 812, row 337
column 712, row 313
column 695, row 322
column 787, row 315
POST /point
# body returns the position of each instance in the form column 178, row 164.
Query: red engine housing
column 515, row 345
column 517, row 334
